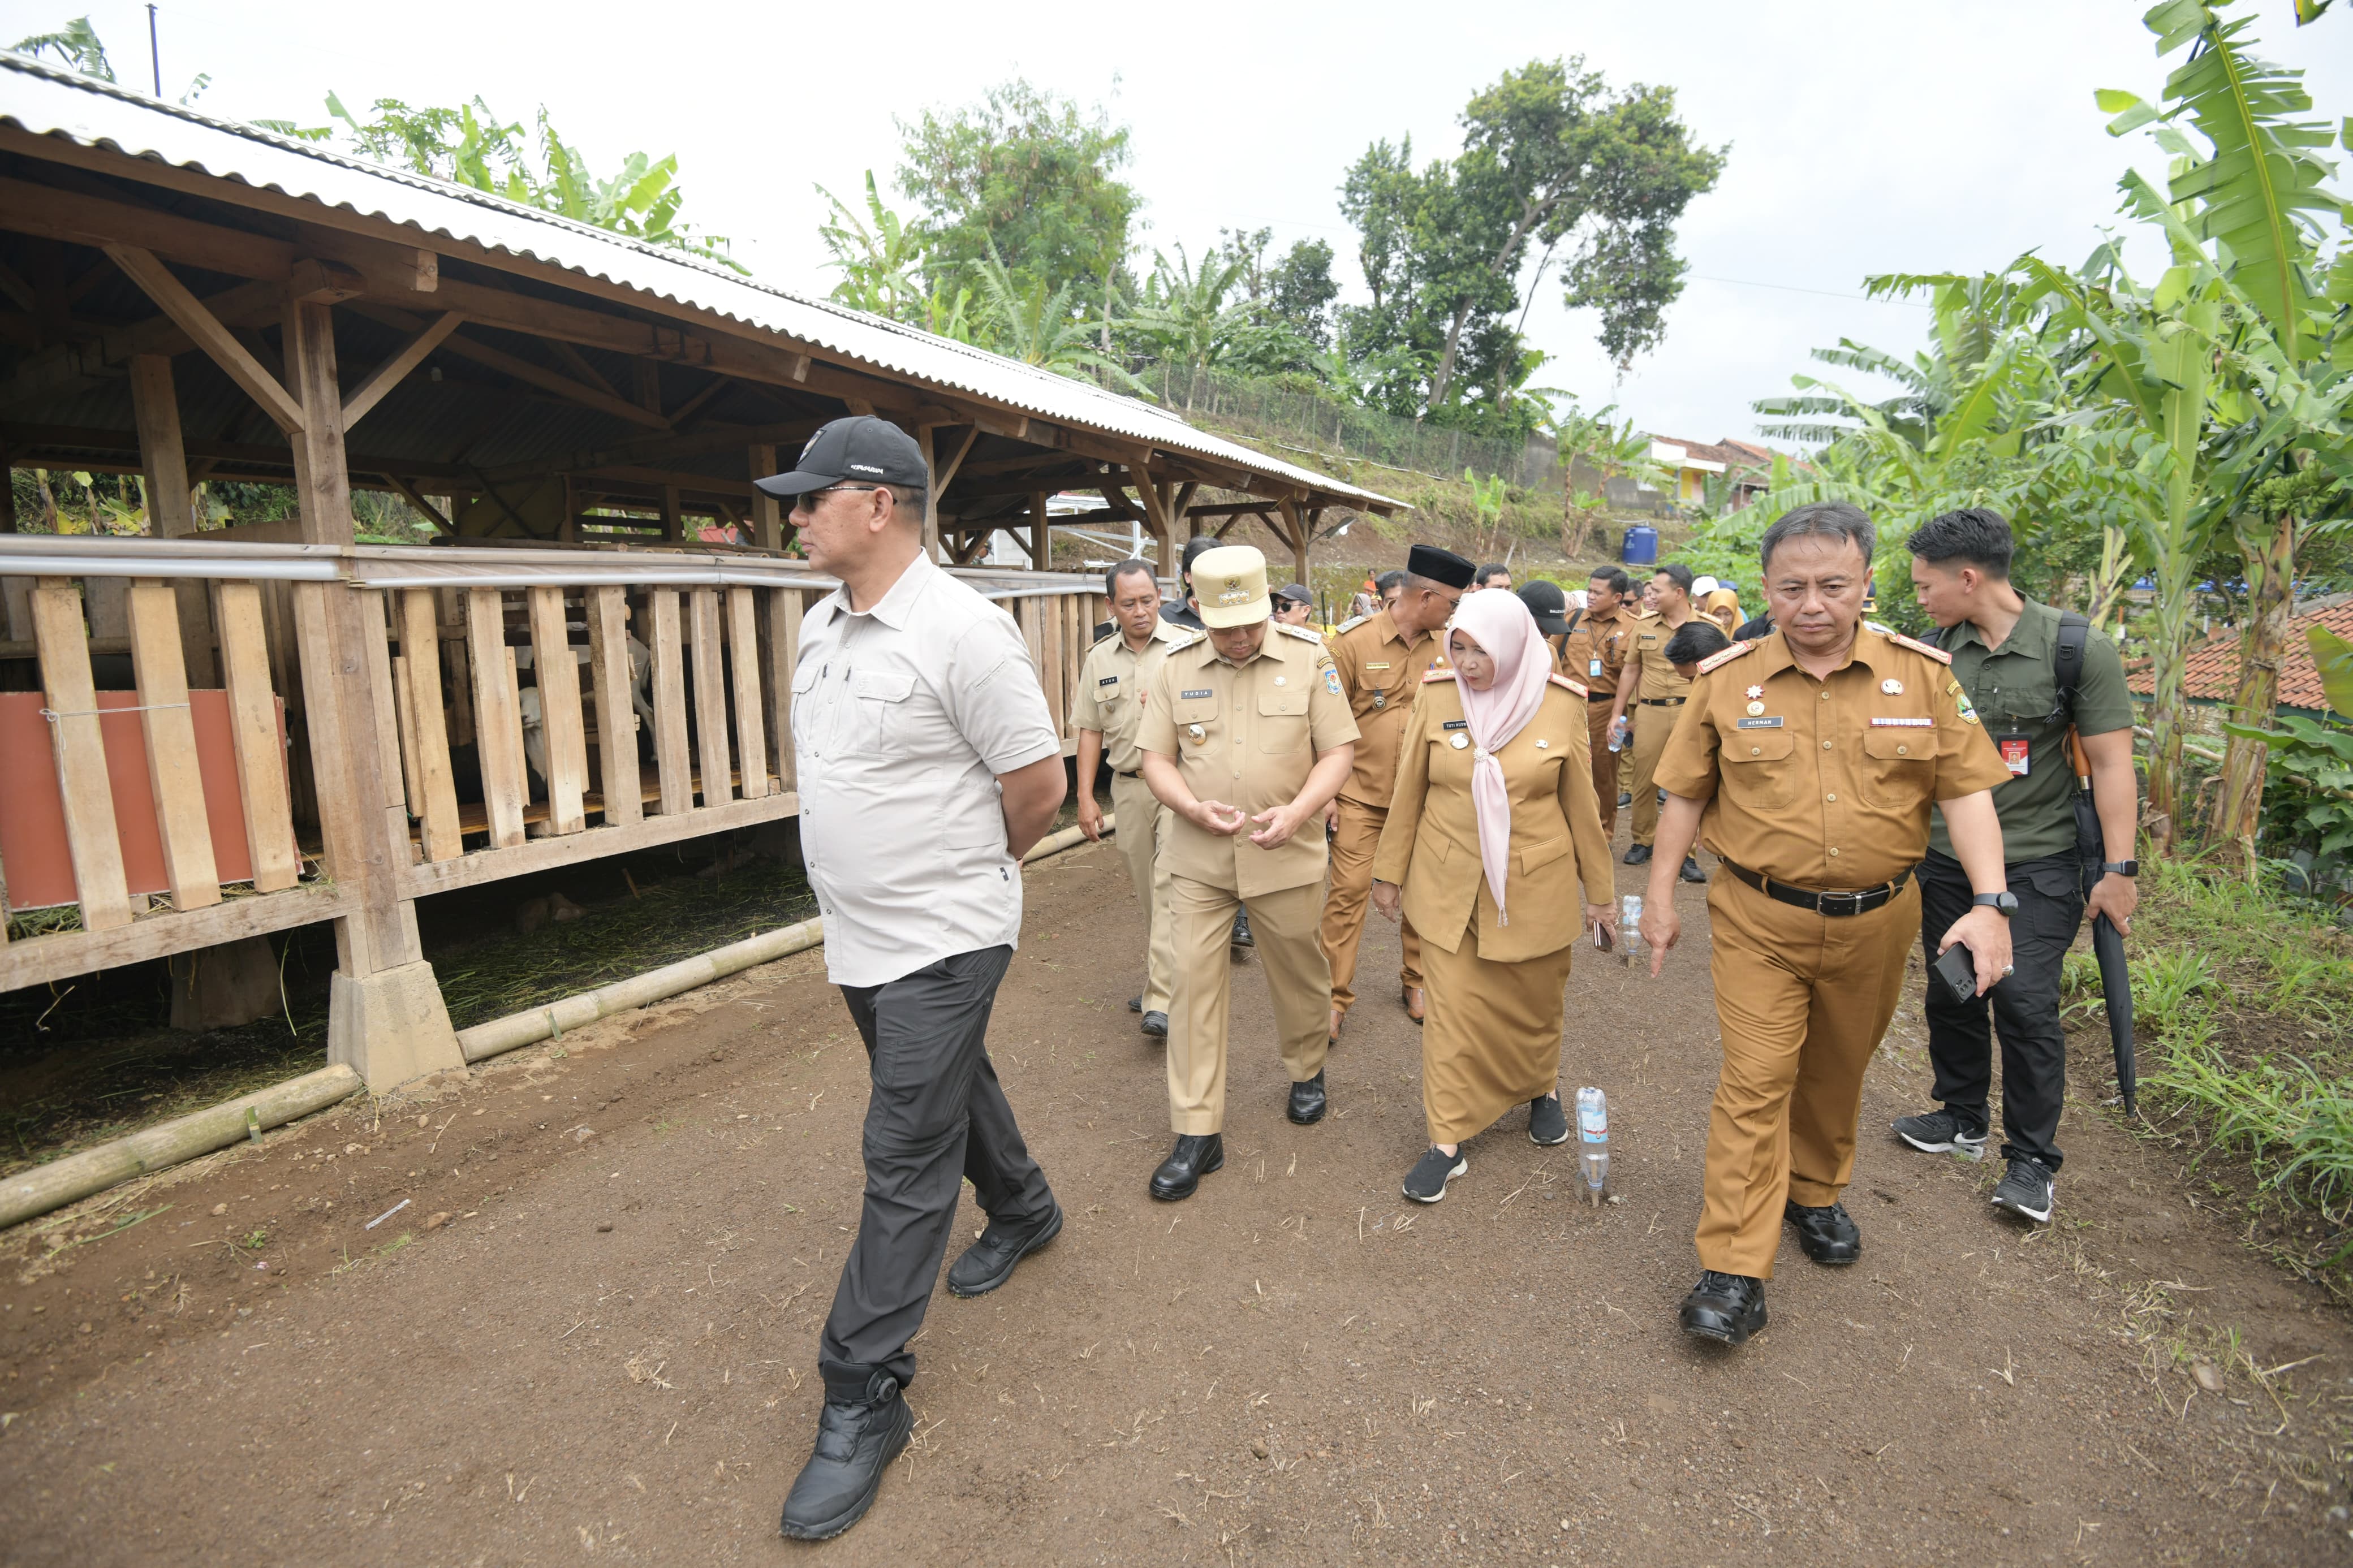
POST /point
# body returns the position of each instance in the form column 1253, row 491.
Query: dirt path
column 605, row 1353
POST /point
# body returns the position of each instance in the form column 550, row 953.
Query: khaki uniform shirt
column 1430, row 847
column 1379, row 673
column 1654, row 678
column 1826, row 784
column 1595, row 651
column 1112, row 684
column 1248, row 735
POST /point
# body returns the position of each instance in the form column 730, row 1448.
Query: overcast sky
column 1865, row 137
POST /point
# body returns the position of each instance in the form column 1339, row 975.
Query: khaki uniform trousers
column 1605, row 764
column 1355, row 836
column 1803, row 1000
column 1297, row 979
column 1133, row 805
column 1653, row 728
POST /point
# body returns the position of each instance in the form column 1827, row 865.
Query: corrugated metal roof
column 52, row 102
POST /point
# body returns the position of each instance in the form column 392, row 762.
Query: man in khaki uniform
column 1245, row 738
column 1112, row 683
column 1594, row 654
column 1381, row 660
column 1812, row 759
column 1657, row 694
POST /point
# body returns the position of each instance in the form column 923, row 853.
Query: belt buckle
column 1850, row 903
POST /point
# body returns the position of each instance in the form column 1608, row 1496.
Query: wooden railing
column 533, row 708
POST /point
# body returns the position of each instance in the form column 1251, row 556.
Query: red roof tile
column 2212, row 673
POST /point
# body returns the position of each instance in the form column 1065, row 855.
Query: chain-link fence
column 1311, row 424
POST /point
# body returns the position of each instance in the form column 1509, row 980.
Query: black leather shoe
column 1725, row 1307
column 1307, row 1103
column 1637, row 854
column 857, row 1438
column 1135, row 1003
column 1241, row 933
column 1825, row 1234
column 1691, row 871
column 1195, row 1155
column 988, row 1262
column 1156, row 1023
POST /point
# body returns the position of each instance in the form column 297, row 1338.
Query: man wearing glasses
column 928, row 766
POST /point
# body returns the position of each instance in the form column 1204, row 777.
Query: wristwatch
column 2004, row 903
column 2121, row 868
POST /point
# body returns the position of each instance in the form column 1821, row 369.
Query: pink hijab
column 1499, row 623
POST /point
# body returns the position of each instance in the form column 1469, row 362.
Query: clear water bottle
column 1618, row 734
column 1629, row 931
column 1593, row 1146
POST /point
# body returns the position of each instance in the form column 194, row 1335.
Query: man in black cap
column 1294, row 605
column 920, row 728
column 1381, row 660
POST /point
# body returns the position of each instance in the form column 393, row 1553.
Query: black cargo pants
column 935, row 1116
column 2024, row 1009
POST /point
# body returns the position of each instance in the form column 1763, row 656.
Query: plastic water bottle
column 1629, row 931
column 1618, row 734
column 1593, row 1132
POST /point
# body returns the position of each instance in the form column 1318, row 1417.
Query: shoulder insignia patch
column 1892, row 634
column 1305, row 634
column 1725, row 655
column 1188, row 640
column 1565, row 684
column 1350, row 625
column 1428, row 676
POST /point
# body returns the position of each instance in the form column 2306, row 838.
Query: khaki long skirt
column 1492, row 1037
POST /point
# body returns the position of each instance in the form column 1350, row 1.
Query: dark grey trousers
column 935, row 1116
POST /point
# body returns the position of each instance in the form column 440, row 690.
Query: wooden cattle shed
column 313, row 728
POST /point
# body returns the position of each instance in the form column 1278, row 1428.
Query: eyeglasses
column 807, row 499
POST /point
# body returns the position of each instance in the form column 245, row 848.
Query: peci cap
column 1548, row 604
column 1439, row 565
column 861, row 449
column 1231, row 584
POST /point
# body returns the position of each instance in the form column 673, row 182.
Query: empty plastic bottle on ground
column 1593, row 1147
column 1629, row 929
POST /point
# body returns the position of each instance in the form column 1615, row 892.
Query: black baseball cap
column 1548, row 604
column 858, row 449
column 1296, row 593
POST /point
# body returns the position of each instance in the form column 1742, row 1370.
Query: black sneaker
column 1691, row 871
column 988, row 1262
column 1624, row 800
column 1156, row 1023
column 1637, row 854
column 1941, row 1133
column 1725, row 1307
column 2026, row 1191
column 1548, row 1121
column 1425, row 1183
column 1241, row 933
column 1135, row 1003
column 857, row 1438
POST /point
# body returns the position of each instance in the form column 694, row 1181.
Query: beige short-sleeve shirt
column 1112, row 686
column 1247, row 735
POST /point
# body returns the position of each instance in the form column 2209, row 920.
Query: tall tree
column 1026, row 171
column 1552, row 157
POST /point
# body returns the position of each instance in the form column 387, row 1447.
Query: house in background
column 1747, row 467
column 2210, row 674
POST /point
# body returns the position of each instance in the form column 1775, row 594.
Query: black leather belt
column 1860, row 902
column 1600, row 695
column 1662, row 701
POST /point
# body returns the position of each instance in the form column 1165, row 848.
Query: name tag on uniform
column 1370, row 665
column 1191, row 696
column 1108, row 681
column 1903, row 723
column 1457, row 723
column 1760, row 724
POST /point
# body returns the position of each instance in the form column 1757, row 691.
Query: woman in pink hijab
column 1491, row 829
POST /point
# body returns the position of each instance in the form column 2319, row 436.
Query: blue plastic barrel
column 1641, row 546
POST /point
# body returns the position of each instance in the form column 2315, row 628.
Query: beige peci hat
column 1231, row 582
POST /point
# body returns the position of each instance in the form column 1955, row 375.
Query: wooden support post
column 784, row 659
column 767, row 512
column 710, row 698
column 617, row 716
column 672, row 762
column 192, row 317
column 673, row 530
column 72, row 700
column 7, row 517
column 744, row 673
column 926, row 438
column 1041, row 534
column 561, row 728
column 254, row 732
column 1301, row 543
column 170, row 734
column 171, row 514
column 498, row 718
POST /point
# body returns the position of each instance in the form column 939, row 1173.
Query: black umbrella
column 2116, row 987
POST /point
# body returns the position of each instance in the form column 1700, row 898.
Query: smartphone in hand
column 1601, row 937
column 1956, row 970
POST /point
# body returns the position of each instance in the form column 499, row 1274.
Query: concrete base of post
column 391, row 1026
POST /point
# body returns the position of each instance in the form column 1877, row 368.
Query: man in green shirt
column 2004, row 651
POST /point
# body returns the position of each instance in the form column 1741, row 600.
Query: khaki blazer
column 1430, row 846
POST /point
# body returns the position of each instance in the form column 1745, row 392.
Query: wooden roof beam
column 189, row 314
